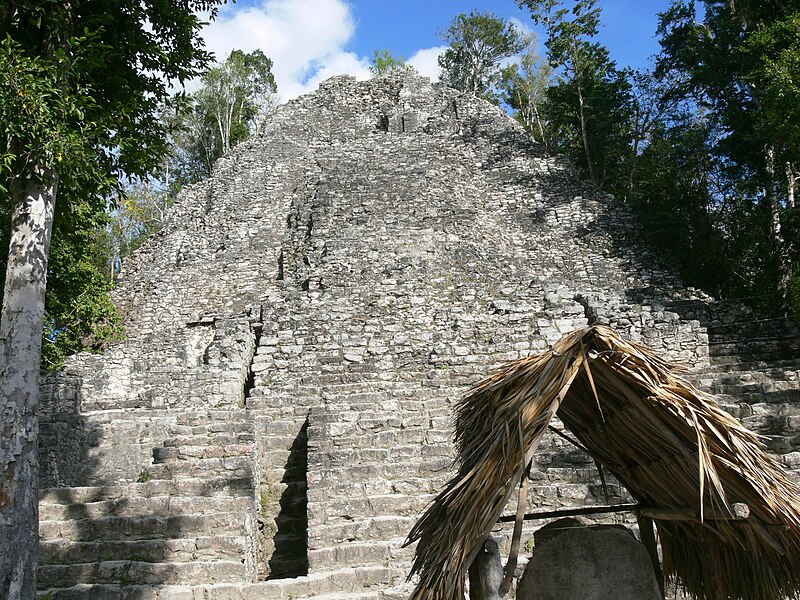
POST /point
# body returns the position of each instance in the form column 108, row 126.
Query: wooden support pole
column 739, row 512
column 511, row 566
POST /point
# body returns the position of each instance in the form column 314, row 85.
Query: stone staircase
column 189, row 518
column 341, row 286
column 754, row 371
column 380, row 452
column 366, row 583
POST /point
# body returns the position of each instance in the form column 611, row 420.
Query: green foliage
column 384, row 62
column 524, row 88
column 478, row 42
column 672, row 200
column 81, row 86
column 706, row 150
column 40, row 124
column 742, row 63
column 138, row 211
column 598, row 104
column 234, row 99
column 79, row 314
column 589, row 107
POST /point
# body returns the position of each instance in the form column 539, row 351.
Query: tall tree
column 524, row 85
column 478, row 42
column 674, row 197
column 78, row 110
column 741, row 60
column 590, row 104
column 653, row 105
column 231, row 105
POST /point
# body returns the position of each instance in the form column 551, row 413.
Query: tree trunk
column 585, row 135
column 791, row 185
column 33, row 200
column 538, row 118
column 638, row 134
column 784, row 256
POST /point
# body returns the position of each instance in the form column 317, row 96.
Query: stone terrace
column 279, row 414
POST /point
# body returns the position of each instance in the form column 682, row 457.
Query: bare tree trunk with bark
column 33, row 201
column 791, row 184
column 781, row 247
column 585, row 136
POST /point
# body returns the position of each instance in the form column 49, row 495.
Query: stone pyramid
column 278, row 415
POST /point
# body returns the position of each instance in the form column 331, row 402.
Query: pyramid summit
column 279, row 413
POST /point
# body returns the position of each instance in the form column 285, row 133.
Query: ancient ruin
column 279, row 414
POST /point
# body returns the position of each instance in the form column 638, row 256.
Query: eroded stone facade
column 279, row 414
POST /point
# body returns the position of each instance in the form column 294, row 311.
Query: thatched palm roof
column 664, row 440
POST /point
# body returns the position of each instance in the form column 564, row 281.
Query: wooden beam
column 571, row 512
column 739, row 512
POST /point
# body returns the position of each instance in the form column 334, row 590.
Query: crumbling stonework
column 279, row 414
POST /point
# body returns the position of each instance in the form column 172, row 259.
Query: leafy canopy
column 232, row 103
column 81, row 89
column 588, row 106
column 384, row 63
column 478, row 42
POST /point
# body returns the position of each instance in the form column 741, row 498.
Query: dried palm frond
column 666, row 441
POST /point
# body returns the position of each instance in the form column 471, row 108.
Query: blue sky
column 311, row 40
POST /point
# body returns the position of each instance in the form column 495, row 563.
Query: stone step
column 373, row 417
column 154, row 506
column 751, row 366
column 132, row 572
column 102, row 404
column 62, row 552
column 289, row 557
column 383, row 552
column 216, row 486
column 734, row 395
column 205, row 439
column 216, row 420
column 291, row 525
column 288, row 567
column 354, row 596
column 358, row 386
column 734, row 355
column 340, row 583
column 345, row 433
column 145, row 527
column 434, row 467
column 234, row 467
column 358, row 489
column 243, row 433
column 779, row 378
column 341, row 531
column 377, row 505
column 328, row 457
column 197, row 450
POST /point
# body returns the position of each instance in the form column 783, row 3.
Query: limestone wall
column 340, row 281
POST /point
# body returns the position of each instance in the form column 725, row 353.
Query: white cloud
column 305, row 40
column 426, row 61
